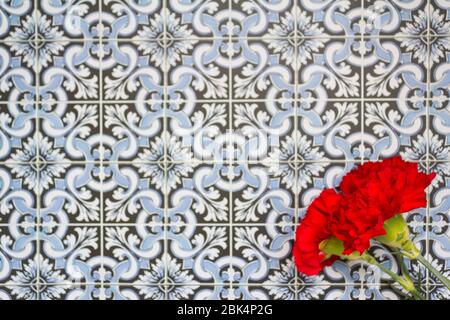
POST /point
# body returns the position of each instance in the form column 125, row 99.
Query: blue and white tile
column 69, row 254
column 197, row 19
column 14, row 16
column 134, row 193
column 342, row 292
column 77, row 20
column 264, row 192
column 69, row 71
column 439, row 57
column 134, row 254
column 69, row 193
column 173, row 292
column 439, row 251
column 18, row 61
column 258, row 253
column 18, row 252
column 254, row 18
column 198, row 131
column 18, row 132
column 396, row 68
column 198, row 193
column 439, row 14
column 115, row 141
column 19, row 191
column 71, row 291
column 134, row 131
column 259, row 72
column 387, row 18
column 15, row 292
column 178, row 284
column 438, row 256
column 330, row 68
column 439, row 135
column 69, row 132
column 395, row 128
column 133, row 19
column 439, row 192
column 263, row 131
column 198, row 255
column 328, row 130
column 199, row 70
column 133, row 70
column 334, row 18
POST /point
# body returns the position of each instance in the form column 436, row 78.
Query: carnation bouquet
column 368, row 207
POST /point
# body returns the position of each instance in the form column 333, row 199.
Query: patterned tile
column 135, row 131
column 134, row 193
column 132, row 70
column 198, row 69
column 197, row 19
column 395, row 127
column 69, row 132
column 167, row 149
column 68, row 71
column 79, row 20
column 329, row 130
column 133, row 19
column 134, row 254
column 264, row 193
column 388, row 18
column 69, row 255
column 18, row 254
column 18, row 293
column 15, row 16
column 261, row 254
column 198, row 194
column 69, row 193
column 19, row 194
column 198, row 255
column 18, row 65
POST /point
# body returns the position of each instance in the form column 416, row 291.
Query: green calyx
column 334, row 247
column 397, row 236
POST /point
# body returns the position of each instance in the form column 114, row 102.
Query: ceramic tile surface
column 167, row 149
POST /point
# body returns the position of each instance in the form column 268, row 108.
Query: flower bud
column 334, row 247
column 397, row 236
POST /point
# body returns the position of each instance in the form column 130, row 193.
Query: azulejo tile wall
column 167, row 149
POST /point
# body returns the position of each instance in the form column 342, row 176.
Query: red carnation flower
column 357, row 223
column 374, row 193
column 315, row 228
column 370, row 205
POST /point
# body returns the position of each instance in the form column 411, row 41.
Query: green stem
column 433, row 270
column 404, row 269
column 404, row 282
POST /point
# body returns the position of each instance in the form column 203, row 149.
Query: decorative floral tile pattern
column 166, row 149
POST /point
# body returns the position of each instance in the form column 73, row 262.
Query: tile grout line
column 101, row 154
column 296, row 151
column 224, row 38
column 427, row 130
column 37, row 146
column 362, row 81
column 206, row 162
column 215, row 224
column 165, row 151
column 221, row 100
column 362, row 105
column 230, row 161
column 209, row 284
